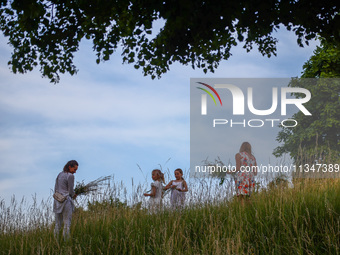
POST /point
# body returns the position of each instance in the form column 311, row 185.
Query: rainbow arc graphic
column 209, row 93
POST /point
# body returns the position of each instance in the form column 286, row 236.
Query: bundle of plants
column 93, row 186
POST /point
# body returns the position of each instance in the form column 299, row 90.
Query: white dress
column 155, row 202
column 177, row 197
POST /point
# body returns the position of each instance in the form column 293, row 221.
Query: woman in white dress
column 156, row 193
column 64, row 184
column 178, row 189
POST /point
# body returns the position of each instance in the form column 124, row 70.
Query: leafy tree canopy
column 316, row 137
column 47, row 33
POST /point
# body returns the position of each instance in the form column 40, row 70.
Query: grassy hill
column 300, row 220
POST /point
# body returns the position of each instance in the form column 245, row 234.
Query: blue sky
column 109, row 117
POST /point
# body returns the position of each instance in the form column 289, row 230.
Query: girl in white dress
column 178, row 189
column 155, row 201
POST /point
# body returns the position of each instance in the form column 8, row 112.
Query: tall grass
column 277, row 220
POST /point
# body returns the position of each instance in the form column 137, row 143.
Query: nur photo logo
column 239, row 98
column 245, row 100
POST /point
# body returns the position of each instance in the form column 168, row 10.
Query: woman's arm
column 238, row 161
column 255, row 171
column 70, row 182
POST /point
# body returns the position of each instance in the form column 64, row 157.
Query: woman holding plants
column 63, row 205
column 246, row 170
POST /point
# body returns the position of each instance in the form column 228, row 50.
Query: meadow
column 277, row 219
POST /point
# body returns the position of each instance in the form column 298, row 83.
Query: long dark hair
column 180, row 171
column 71, row 163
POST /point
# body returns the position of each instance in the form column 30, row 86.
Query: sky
column 111, row 118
